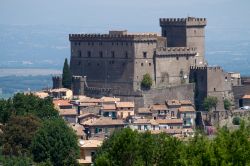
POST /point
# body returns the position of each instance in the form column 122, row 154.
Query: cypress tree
column 66, row 76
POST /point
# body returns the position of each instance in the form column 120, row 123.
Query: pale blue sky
column 134, row 15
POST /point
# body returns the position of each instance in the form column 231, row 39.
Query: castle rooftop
column 189, row 21
column 115, row 35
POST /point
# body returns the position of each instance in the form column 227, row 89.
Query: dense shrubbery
column 130, row 148
column 32, row 129
column 146, row 81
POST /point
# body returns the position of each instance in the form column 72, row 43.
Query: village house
column 173, row 106
column 79, row 130
column 88, row 149
column 144, row 113
column 160, row 111
column 108, row 110
column 102, row 127
column 125, row 109
column 61, row 93
column 188, row 115
column 87, row 116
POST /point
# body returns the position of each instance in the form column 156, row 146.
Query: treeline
column 130, row 148
column 32, row 133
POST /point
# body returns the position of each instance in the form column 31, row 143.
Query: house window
column 145, row 127
column 128, row 113
column 79, row 53
column 139, row 127
column 172, row 113
column 100, row 130
column 101, row 54
column 177, row 58
column 126, row 55
column 144, row 54
column 113, row 54
column 149, row 64
column 141, row 64
column 187, row 58
column 171, row 127
column 89, row 54
column 214, row 89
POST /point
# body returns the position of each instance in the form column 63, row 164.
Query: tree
column 66, row 76
column 146, row 81
column 5, row 110
column 30, row 104
column 236, row 120
column 210, row 102
column 18, row 134
column 56, row 142
column 227, row 104
column 121, row 149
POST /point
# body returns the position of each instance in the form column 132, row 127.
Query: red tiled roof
column 62, row 103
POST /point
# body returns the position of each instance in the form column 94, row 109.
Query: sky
column 134, row 15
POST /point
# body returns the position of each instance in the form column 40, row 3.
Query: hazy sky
column 134, row 15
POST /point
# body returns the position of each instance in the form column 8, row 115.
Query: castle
column 119, row 60
column 114, row 64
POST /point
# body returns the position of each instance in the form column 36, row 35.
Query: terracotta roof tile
column 110, row 99
column 186, row 109
column 173, row 102
column 62, row 103
column 64, row 112
column 159, row 107
column 144, row 111
column 125, row 104
column 169, row 121
column 104, row 121
column 246, row 97
column 108, row 107
column 185, row 102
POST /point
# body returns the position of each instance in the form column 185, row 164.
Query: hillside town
column 146, row 82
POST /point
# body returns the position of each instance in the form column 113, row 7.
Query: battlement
column 189, row 21
column 206, row 68
column 170, row 51
column 114, row 35
column 56, row 77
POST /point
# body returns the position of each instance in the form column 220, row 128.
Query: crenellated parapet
column 57, row 82
column 175, row 51
column 189, row 21
column 113, row 37
column 209, row 68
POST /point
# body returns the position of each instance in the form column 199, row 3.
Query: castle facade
column 118, row 60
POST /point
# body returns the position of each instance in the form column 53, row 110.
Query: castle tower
column 186, row 32
column 57, row 82
column 78, row 85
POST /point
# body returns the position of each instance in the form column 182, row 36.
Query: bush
column 236, row 121
column 227, row 104
column 210, row 102
column 146, row 81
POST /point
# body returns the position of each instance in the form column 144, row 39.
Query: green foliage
column 66, row 76
column 15, row 161
column 22, row 104
column 227, row 104
column 18, row 134
column 146, row 81
column 210, row 102
column 236, row 120
column 145, row 149
column 56, row 142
